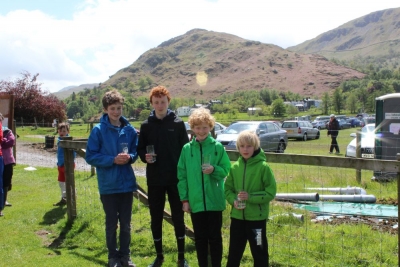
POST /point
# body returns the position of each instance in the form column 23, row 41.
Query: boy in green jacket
column 201, row 186
column 250, row 180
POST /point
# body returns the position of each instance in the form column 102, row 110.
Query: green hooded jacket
column 256, row 178
column 204, row 192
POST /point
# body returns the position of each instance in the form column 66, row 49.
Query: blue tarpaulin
column 377, row 210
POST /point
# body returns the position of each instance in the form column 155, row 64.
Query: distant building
column 313, row 102
column 183, row 111
column 252, row 111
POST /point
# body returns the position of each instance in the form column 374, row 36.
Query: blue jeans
column 118, row 207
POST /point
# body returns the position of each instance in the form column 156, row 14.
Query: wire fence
column 307, row 229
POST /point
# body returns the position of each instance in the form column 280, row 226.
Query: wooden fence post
column 69, row 166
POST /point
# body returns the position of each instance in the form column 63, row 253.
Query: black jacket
column 333, row 128
column 168, row 137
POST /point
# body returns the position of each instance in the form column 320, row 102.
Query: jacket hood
column 257, row 156
column 105, row 119
column 170, row 116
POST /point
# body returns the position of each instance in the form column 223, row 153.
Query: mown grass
column 36, row 233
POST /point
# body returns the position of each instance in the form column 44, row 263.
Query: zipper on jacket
column 202, row 177
column 243, row 183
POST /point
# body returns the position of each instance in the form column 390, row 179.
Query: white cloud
column 105, row 36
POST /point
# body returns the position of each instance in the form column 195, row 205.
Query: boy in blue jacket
column 250, row 180
column 201, row 186
column 106, row 150
column 63, row 131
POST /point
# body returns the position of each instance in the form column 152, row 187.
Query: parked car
column 321, row 124
column 302, row 130
column 272, row 138
column 344, row 124
column 219, row 128
column 354, row 122
column 367, row 120
column 367, row 143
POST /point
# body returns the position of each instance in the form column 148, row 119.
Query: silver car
column 272, row 137
column 301, row 130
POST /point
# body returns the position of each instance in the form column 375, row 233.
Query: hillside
column 67, row 91
column 206, row 64
column 374, row 35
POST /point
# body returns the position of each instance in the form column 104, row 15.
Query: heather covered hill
column 206, row 64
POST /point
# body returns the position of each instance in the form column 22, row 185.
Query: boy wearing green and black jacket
column 251, row 180
column 201, row 186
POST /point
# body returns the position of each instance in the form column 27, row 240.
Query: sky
column 74, row 42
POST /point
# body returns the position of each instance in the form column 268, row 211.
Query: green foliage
column 278, row 108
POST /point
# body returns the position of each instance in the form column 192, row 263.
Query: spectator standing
column 249, row 188
column 202, row 168
column 9, row 161
column 166, row 132
column 1, row 168
column 333, row 131
column 111, row 148
column 63, row 131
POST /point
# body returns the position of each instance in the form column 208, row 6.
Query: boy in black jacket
column 167, row 133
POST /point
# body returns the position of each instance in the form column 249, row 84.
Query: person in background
column 9, row 161
column 167, row 133
column 1, row 168
column 201, row 186
column 111, row 148
column 63, row 131
column 333, row 131
column 250, row 180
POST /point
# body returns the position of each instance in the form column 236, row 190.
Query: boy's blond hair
column 200, row 116
column 248, row 137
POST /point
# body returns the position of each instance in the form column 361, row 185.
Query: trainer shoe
column 183, row 263
column 114, row 262
column 157, row 262
column 126, row 261
column 8, row 204
column 62, row 202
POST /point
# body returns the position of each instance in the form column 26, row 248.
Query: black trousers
column 157, row 196
column 207, row 232
column 334, row 144
column 242, row 231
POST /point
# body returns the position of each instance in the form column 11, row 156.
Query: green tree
column 278, row 108
column 144, row 114
column 351, row 103
column 325, row 103
column 338, row 100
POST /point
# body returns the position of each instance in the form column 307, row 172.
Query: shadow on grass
column 54, row 215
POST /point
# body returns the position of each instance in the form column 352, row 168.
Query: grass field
column 35, row 233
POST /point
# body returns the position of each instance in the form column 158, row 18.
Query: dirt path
column 36, row 155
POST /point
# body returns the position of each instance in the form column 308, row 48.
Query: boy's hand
column 208, row 170
column 122, row 159
column 186, row 207
column 150, row 158
column 243, row 195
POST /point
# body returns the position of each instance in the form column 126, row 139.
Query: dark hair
column 63, row 125
column 112, row 97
